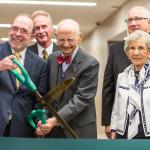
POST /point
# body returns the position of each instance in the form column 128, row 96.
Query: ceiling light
column 48, row 3
column 5, row 25
column 8, row 25
column 6, row 39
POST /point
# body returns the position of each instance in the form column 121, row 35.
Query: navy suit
column 116, row 63
column 20, row 102
column 76, row 105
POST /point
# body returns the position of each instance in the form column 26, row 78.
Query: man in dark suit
column 43, row 30
column 16, row 101
column 76, row 105
column 138, row 19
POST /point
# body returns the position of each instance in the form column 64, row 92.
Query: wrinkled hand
column 108, row 131
column 7, row 64
column 43, row 129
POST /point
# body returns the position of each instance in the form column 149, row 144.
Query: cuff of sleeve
column 113, row 130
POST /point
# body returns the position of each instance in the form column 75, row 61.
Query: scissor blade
column 58, row 90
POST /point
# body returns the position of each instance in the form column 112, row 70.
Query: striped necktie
column 45, row 54
column 18, row 55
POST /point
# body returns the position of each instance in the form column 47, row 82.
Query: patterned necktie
column 45, row 54
column 18, row 55
column 61, row 59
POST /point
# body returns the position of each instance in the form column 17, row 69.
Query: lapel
column 71, row 70
column 6, row 51
column 28, row 60
column 76, row 63
column 55, row 71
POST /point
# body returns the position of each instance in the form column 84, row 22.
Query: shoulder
column 125, row 73
column 4, row 45
column 34, row 57
column 5, row 49
column 52, row 58
column 119, row 46
column 54, row 54
column 85, row 57
column 33, row 47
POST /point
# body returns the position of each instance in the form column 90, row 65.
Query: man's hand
column 7, row 64
column 108, row 131
column 43, row 129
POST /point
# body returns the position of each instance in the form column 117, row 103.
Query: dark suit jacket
column 20, row 102
column 76, row 105
column 116, row 63
column 34, row 48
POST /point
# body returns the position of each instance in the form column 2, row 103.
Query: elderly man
column 138, row 19
column 43, row 30
column 16, row 101
column 76, row 105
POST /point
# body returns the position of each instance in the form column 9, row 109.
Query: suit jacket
column 20, row 102
column 116, row 63
column 76, row 105
column 34, row 48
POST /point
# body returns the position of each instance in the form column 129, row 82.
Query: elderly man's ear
column 80, row 37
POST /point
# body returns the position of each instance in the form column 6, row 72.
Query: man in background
column 43, row 30
column 138, row 19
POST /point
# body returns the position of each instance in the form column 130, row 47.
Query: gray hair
column 144, row 11
column 68, row 24
column 136, row 36
column 41, row 13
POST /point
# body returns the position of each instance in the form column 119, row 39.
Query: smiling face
column 138, row 53
column 68, row 36
column 67, row 41
column 20, row 33
column 138, row 19
column 43, row 30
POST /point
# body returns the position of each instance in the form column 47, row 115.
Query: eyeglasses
column 22, row 30
column 139, row 48
column 136, row 19
column 62, row 40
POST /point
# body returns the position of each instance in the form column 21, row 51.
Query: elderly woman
column 131, row 112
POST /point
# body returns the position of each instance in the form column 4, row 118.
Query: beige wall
column 113, row 28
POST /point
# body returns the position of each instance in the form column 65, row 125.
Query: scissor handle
column 39, row 114
column 24, row 77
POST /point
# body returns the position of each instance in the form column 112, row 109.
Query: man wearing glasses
column 138, row 19
column 16, row 101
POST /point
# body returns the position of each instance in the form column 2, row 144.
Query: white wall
column 96, row 45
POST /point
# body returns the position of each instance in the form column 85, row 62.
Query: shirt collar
column 22, row 53
column 49, row 49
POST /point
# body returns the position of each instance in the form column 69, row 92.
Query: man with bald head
column 16, row 101
column 76, row 105
column 138, row 19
